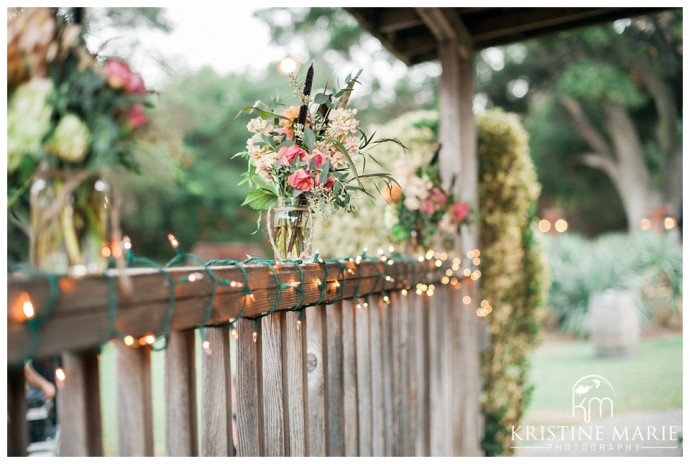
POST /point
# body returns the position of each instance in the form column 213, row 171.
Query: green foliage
column 514, row 280
column 647, row 264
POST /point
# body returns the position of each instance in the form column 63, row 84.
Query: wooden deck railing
column 365, row 378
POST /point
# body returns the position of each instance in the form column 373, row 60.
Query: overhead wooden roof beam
column 395, row 19
column 446, row 25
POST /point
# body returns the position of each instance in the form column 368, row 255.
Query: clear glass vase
column 69, row 223
column 290, row 230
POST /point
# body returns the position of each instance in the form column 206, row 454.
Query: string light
column 391, row 249
column 206, row 345
column 386, row 299
column 438, row 263
column 476, row 261
column 173, row 241
column 60, row 374
column 234, row 333
column 27, row 305
column 105, row 252
column 466, row 299
column 129, row 340
column 467, row 272
column 645, row 224
column 403, row 292
column 669, row 223
column 195, row 276
column 126, row 243
column 255, row 336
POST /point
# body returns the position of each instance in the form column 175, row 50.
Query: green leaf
column 309, row 138
column 260, row 199
column 320, row 98
column 350, row 163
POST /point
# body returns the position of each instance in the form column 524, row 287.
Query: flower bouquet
column 70, row 116
column 422, row 210
column 303, row 160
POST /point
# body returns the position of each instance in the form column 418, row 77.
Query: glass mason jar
column 290, row 230
column 69, row 223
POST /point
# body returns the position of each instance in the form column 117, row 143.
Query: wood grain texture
column 397, row 422
column 364, row 385
column 80, row 319
column 350, row 410
column 92, row 386
column 180, row 395
column 216, row 434
column 134, row 402
column 317, row 427
column 295, row 380
column 272, row 375
column 375, row 346
column 17, row 427
column 412, row 379
column 71, row 408
column 385, row 311
column 334, row 348
column 422, row 374
column 250, row 408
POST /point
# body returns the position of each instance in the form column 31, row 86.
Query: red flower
column 301, row 180
column 121, row 77
column 427, row 207
column 288, row 155
column 330, row 182
column 460, row 211
column 136, row 116
column 319, row 157
column 438, row 196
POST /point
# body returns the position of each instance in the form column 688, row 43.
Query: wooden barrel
column 614, row 323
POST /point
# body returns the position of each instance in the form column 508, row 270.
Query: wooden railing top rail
column 82, row 319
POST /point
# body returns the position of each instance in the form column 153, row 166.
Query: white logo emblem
column 593, row 393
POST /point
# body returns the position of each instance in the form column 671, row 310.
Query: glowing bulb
column 365, row 304
column 390, row 262
column 418, row 291
column 299, row 324
column 150, row 339
column 288, row 65
column 173, row 241
column 27, row 306
column 445, row 280
column 251, row 297
column 456, row 261
column 391, row 249
column 60, row 374
column 430, row 292
column 105, row 252
column 129, row 340
column 561, row 225
column 467, row 272
column 126, row 243
column 484, row 303
column 476, row 261
column 234, row 333
column 429, row 254
column 669, row 223
column 404, row 292
column 336, row 284
column 544, row 226
column 379, row 251
column 359, row 306
column 206, row 345
column 389, row 279
column 466, row 299
column 317, row 281
column 195, row 276
column 386, row 299
column 255, row 336
column 420, row 258
column 476, row 253
column 438, row 263
column 449, row 272
column 645, row 224
column 470, row 255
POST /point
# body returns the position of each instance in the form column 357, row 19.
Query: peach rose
column 301, row 180
column 318, row 156
column 460, row 211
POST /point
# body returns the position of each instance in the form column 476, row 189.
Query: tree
column 619, row 84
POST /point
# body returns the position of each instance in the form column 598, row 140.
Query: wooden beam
column 82, row 318
column 395, row 19
column 445, row 25
column 365, row 19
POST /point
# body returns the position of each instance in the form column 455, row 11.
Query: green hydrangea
column 70, row 140
column 28, row 120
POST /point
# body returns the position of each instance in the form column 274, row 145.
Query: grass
column 650, row 380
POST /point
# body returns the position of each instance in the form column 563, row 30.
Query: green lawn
column 651, row 380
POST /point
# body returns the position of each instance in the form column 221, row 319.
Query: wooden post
column 350, row 409
column 375, row 341
column 134, row 403
column 364, row 379
column 334, row 344
column 250, row 409
column 272, row 375
column 404, row 405
column 17, row 428
column 385, row 311
column 459, row 158
column 180, row 395
column 294, row 374
column 317, row 432
column 79, row 406
column 216, row 410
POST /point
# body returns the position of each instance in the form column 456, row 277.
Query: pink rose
column 136, row 116
column 119, row 73
column 427, row 207
column 319, row 157
column 287, row 155
column 330, row 182
column 438, row 196
column 301, row 180
column 135, row 85
column 460, row 211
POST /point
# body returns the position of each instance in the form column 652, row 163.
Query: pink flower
column 438, row 196
column 460, row 211
column 318, row 156
column 427, row 207
column 136, row 116
column 301, row 180
column 289, row 154
column 330, row 182
column 135, row 85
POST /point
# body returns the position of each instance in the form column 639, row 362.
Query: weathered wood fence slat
column 382, row 374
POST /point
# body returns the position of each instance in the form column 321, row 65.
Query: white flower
column 351, row 144
column 447, row 225
column 412, row 203
column 28, row 119
column 264, row 165
column 342, row 121
column 404, row 170
column 259, row 126
column 256, row 151
column 418, row 188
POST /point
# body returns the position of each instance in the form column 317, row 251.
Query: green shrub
column 647, row 264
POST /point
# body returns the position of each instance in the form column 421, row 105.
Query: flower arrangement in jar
column 305, row 159
column 70, row 117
